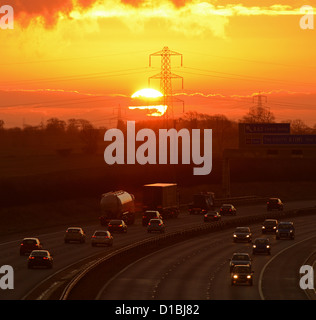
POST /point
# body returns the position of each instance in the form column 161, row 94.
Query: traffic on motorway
column 154, row 221
column 118, row 216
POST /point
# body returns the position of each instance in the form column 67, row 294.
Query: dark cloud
column 24, row 11
column 49, row 10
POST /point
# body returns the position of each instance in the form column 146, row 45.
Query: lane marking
column 272, row 258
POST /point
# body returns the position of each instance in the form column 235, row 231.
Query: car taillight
column 31, row 258
column 45, row 258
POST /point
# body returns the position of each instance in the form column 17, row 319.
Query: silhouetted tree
column 258, row 114
column 55, row 125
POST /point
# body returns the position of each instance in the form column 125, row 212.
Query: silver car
column 102, row 237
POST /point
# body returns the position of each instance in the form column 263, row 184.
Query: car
column 29, row 244
column 285, row 230
column 212, row 216
column 242, row 234
column 155, row 225
column 102, row 237
column 274, row 203
column 117, row 226
column 227, row 209
column 150, row 214
column 269, row 225
column 75, row 234
column 261, row 245
column 239, row 258
column 41, row 258
column 242, row 274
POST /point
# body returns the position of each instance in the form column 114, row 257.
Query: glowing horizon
column 100, row 49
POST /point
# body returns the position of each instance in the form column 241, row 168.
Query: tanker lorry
column 117, row 205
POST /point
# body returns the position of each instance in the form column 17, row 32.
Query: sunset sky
column 85, row 58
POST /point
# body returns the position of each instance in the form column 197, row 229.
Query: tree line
column 225, row 131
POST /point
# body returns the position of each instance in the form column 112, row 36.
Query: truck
column 162, row 197
column 118, row 205
column 202, row 203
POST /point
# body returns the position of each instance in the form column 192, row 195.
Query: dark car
column 261, row 245
column 117, row 226
column 239, row 259
column 150, row 214
column 274, row 203
column 227, row 209
column 242, row 234
column 269, row 225
column 212, row 216
column 102, row 237
column 156, row 225
column 242, row 274
column 40, row 258
column 30, row 244
column 285, row 230
column 75, row 234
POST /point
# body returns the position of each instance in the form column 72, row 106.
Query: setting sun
column 147, row 93
column 149, row 96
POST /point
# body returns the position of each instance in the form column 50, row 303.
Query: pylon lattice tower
column 259, row 97
column 166, row 76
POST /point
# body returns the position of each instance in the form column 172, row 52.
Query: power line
column 84, row 76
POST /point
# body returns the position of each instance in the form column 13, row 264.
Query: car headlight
column 235, row 276
column 268, row 246
column 254, row 246
column 263, row 227
column 235, row 235
column 247, row 236
column 249, row 276
column 274, row 227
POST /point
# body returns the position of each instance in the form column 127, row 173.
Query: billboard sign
column 267, row 128
column 291, row 139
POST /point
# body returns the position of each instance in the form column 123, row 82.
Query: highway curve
column 71, row 258
column 198, row 269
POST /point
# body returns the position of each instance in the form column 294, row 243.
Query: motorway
column 193, row 269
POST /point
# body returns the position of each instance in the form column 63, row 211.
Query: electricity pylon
column 166, row 76
column 259, row 97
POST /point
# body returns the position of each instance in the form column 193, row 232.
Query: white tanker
column 117, row 205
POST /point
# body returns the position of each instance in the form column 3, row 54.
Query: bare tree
column 258, row 114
